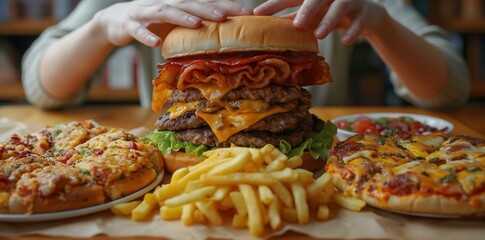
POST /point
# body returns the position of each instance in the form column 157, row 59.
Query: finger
column 164, row 13
column 355, row 29
column 230, row 7
column 141, row 33
column 271, row 7
column 308, row 10
column 201, row 9
column 336, row 14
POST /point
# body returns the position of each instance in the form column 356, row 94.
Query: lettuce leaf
column 317, row 144
column 166, row 142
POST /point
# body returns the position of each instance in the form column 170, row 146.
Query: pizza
column 433, row 174
column 73, row 165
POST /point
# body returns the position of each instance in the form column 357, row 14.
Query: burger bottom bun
column 176, row 160
column 311, row 164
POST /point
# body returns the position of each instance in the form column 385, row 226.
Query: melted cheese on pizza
column 378, row 149
column 113, row 156
column 429, row 165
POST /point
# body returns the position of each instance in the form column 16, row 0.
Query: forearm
column 68, row 63
column 421, row 67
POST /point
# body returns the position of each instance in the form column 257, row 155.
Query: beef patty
column 276, row 123
column 271, row 94
column 293, row 126
column 205, row 136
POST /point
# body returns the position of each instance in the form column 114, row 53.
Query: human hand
column 358, row 17
column 123, row 22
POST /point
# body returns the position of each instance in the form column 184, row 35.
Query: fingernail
column 299, row 20
column 153, row 39
column 346, row 38
column 218, row 12
column 246, row 9
column 193, row 19
column 321, row 32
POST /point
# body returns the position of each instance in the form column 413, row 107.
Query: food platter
column 83, row 211
column 431, row 121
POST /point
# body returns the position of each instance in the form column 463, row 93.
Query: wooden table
column 468, row 120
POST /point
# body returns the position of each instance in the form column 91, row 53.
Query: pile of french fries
column 256, row 187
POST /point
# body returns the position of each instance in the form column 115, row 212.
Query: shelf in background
column 463, row 25
column 12, row 92
column 15, row 92
column 25, row 27
column 478, row 88
column 105, row 94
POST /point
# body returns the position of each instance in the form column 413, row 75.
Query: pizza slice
column 459, row 147
column 118, row 161
column 357, row 159
column 54, row 188
column 420, row 146
column 418, row 187
column 51, row 141
column 13, row 168
column 14, row 147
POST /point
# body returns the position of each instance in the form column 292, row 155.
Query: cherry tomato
column 417, row 127
column 345, row 125
column 379, row 127
column 398, row 125
column 385, row 126
column 361, row 125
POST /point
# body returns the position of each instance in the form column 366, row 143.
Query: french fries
column 255, row 218
column 142, row 210
column 170, row 213
column 125, row 208
column 257, row 187
column 351, row 203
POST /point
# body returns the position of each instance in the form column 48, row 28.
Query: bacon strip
column 235, row 71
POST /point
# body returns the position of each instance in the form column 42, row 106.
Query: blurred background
column 21, row 21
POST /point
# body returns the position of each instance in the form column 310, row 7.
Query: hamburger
column 240, row 83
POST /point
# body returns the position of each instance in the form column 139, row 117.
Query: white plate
column 436, row 122
column 82, row 211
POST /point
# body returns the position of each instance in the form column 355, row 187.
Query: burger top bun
column 236, row 34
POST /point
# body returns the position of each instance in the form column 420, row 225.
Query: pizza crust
column 78, row 197
column 433, row 205
column 136, row 181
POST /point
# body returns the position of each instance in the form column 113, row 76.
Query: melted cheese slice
column 178, row 109
column 226, row 123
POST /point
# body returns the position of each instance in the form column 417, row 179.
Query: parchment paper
column 343, row 224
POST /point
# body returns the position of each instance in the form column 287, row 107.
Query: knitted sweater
column 336, row 54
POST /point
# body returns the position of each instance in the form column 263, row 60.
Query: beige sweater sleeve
column 457, row 90
column 34, row 91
